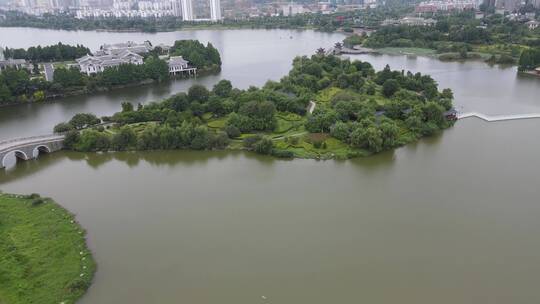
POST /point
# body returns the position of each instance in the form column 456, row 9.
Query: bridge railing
column 3, row 142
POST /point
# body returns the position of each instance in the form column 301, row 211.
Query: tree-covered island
column 43, row 253
column 19, row 85
column 326, row 107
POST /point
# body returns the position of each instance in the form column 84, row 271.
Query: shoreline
column 180, row 29
column 70, row 282
column 84, row 91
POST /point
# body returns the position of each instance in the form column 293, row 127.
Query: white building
column 533, row 24
column 187, row 10
column 97, row 64
column 292, row 9
column 176, row 8
column 215, row 10
column 118, row 48
column 14, row 64
column 178, row 65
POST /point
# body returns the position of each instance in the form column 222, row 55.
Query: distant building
column 14, row 63
column 533, row 24
column 118, row 48
column 176, row 8
column 508, row 5
column 292, row 9
column 97, row 64
column 434, row 6
column 410, row 21
column 215, row 10
column 416, row 21
column 178, row 65
column 2, row 54
column 187, row 10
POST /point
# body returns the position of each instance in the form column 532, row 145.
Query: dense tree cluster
column 18, row 85
column 459, row 32
column 530, row 59
column 58, row 52
column 198, row 55
column 354, row 116
column 368, row 110
column 185, row 136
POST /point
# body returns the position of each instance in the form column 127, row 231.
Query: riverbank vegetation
column 355, row 111
column 17, row 86
column 462, row 36
column 57, row 52
column 43, row 253
column 530, row 59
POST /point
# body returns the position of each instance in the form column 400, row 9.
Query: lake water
column 450, row 219
column 251, row 57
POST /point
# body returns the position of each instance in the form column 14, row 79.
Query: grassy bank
column 480, row 54
column 407, row 51
column 43, row 253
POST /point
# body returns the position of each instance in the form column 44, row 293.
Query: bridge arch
column 40, row 149
column 17, row 153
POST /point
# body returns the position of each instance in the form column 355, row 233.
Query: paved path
column 311, row 106
column 49, row 71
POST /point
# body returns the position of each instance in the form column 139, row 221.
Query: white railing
column 492, row 118
column 5, row 144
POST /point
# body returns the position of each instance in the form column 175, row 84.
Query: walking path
column 493, row 118
column 311, row 106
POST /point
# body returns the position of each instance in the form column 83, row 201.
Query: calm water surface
column 451, row 219
column 251, row 57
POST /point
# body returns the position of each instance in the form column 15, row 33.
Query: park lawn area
column 284, row 126
column 207, row 116
column 335, row 149
column 327, row 94
column 513, row 50
column 43, row 253
column 289, row 116
column 407, row 51
column 138, row 127
column 218, row 123
column 450, row 56
column 63, row 64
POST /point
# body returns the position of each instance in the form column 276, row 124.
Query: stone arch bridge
column 30, row 147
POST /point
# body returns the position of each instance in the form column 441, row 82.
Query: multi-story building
column 292, row 9
column 97, row 64
column 176, row 8
column 215, row 10
column 187, row 10
column 434, row 6
column 117, row 48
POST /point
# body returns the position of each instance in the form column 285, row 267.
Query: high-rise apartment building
column 176, row 8
column 187, row 10
column 215, row 10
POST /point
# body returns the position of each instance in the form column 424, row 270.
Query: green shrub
column 282, row 153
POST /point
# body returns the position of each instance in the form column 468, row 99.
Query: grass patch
column 407, row 51
column 43, row 253
column 218, row 123
column 327, row 94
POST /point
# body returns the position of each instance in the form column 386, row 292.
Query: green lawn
column 43, row 253
column 407, row 51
